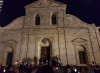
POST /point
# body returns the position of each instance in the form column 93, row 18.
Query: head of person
column 53, row 63
column 92, row 67
column 15, row 70
column 1, row 66
column 10, row 68
column 97, row 67
column 45, row 69
column 68, row 66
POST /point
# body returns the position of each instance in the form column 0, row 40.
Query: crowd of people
column 45, row 67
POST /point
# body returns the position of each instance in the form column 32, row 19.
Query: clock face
column 44, row 41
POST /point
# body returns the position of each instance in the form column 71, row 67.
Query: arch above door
column 46, row 45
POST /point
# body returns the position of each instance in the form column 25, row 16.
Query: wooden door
column 45, row 52
column 9, row 58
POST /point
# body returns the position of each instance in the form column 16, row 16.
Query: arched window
column 54, row 19
column 37, row 20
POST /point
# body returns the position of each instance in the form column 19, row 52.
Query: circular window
column 44, row 41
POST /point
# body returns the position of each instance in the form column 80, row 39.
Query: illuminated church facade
column 47, row 30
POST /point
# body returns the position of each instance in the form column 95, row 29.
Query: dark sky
column 87, row 10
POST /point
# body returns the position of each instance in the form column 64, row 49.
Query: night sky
column 87, row 10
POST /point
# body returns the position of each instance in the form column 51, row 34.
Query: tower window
column 37, row 20
column 54, row 19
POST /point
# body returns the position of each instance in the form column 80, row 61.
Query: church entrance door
column 9, row 58
column 45, row 53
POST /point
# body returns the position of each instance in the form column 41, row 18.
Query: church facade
column 47, row 30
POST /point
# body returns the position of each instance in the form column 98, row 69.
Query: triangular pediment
column 79, row 40
column 10, row 41
column 46, row 3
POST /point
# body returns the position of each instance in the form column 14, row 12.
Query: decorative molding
column 79, row 40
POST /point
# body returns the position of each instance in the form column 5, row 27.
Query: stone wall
column 65, row 39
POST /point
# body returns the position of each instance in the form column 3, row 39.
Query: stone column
column 24, row 48
column 62, row 48
column 95, row 45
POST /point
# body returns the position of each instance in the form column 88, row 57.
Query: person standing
column 10, row 69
